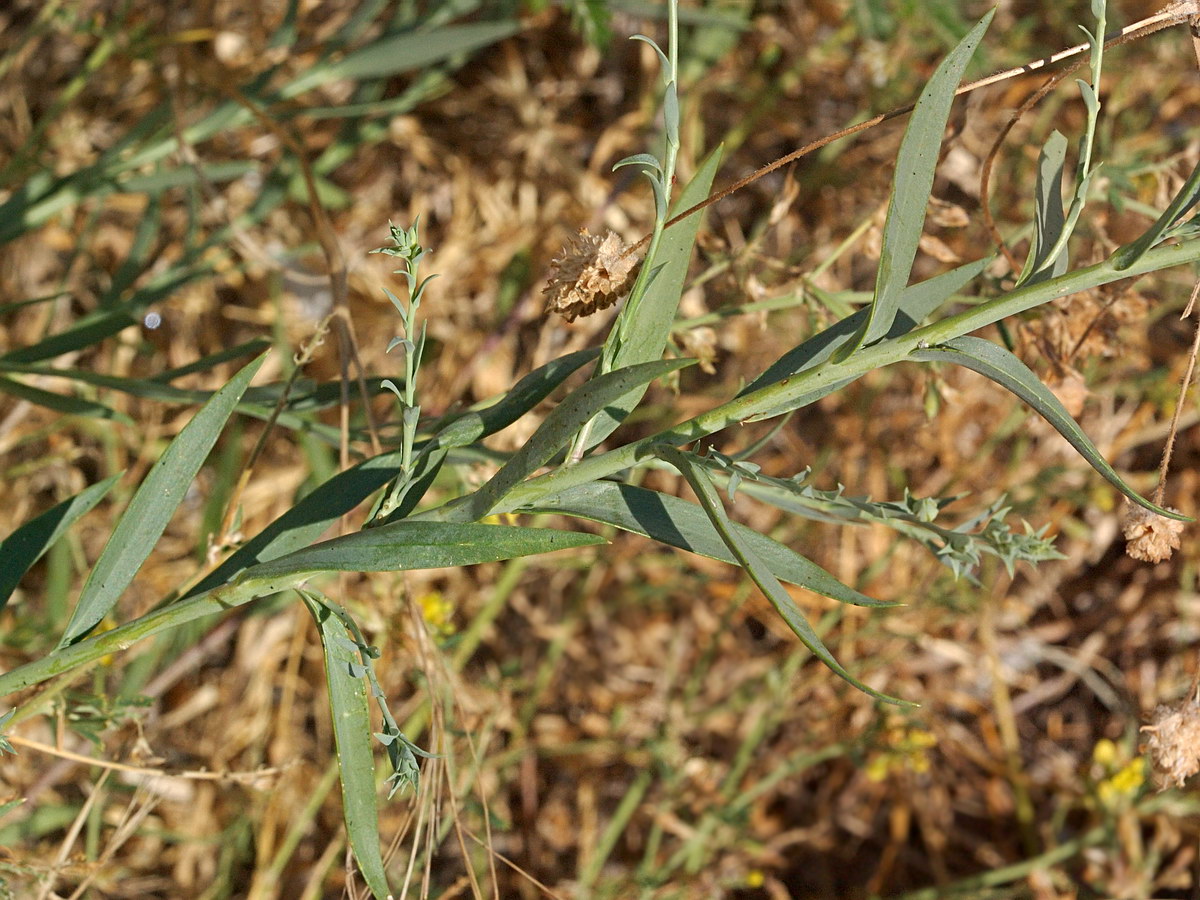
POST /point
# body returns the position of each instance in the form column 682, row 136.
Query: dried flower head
column 592, row 274
column 1174, row 742
column 1149, row 536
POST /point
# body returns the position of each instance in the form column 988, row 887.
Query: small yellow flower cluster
column 438, row 613
column 904, row 751
column 1121, row 783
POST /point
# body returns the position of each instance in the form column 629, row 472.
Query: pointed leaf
column 411, row 545
column 152, row 506
column 558, row 428
column 351, row 718
column 1008, row 371
column 681, row 524
column 758, row 570
column 912, row 184
column 69, row 406
column 1188, row 197
column 25, row 546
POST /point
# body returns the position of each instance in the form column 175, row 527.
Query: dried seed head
column 592, row 274
column 1174, row 742
column 1149, row 536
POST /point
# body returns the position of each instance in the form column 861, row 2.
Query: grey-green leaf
column 678, row 523
column 152, row 506
column 25, row 545
column 912, row 184
column 1188, row 197
column 759, row 572
column 558, row 428
column 411, row 545
column 351, row 717
column 1050, row 218
column 645, row 339
column 1004, row 368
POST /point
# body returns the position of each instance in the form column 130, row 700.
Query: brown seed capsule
column 592, row 273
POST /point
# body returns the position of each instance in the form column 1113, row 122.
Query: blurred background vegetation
column 626, row 722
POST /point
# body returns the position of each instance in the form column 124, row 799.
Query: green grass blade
column 558, row 428
column 152, row 507
column 759, row 572
column 1008, row 371
column 25, row 545
column 70, row 406
column 351, row 717
column 646, row 338
column 412, row 545
column 681, row 524
column 403, row 52
column 912, row 184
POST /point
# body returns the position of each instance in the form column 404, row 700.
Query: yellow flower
column 438, row 613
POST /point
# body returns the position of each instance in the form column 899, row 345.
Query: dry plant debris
column 634, row 682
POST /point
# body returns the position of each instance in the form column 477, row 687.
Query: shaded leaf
column 758, row 570
column 25, row 545
column 152, row 506
column 1188, row 197
column 1004, row 368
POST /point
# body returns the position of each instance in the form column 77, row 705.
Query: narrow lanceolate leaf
column 1050, row 219
column 1188, row 196
column 70, row 406
column 645, row 339
column 558, row 428
column 410, row 545
column 1008, row 371
column 912, row 184
column 403, row 52
column 351, row 717
column 25, row 546
column 758, row 570
column 678, row 523
column 152, row 507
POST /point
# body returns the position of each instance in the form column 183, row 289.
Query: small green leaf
column 351, row 718
column 152, row 506
column 1008, row 371
column 912, row 184
column 25, row 545
column 69, row 406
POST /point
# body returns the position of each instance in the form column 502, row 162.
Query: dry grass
column 624, row 723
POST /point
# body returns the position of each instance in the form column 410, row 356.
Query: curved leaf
column 759, row 572
column 25, row 545
column 912, row 184
column 69, row 406
column 1008, row 371
column 1050, row 218
column 152, row 506
column 351, row 718
column 681, row 524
